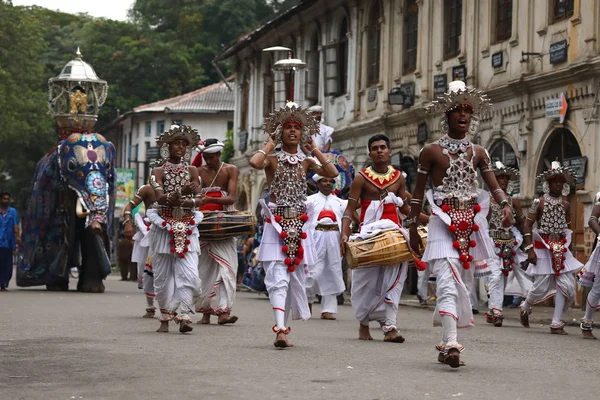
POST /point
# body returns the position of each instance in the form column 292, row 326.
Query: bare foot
column 558, row 331
column 164, row 327
column 281, row 341
column 453, row 358
column 588, row 335
column 393, row 337
column 328, row 316
column 185, row 326
column 442, row 358
column 364, row 333
column 149, row 314
column 227, row 319
column 498, row 321
column 205, row 319
column 524, row 317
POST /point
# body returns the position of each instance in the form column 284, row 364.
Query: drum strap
column 216, row 175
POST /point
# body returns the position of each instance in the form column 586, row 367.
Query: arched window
column 502, row 151
column 561, row 145
column 343, row 57
column 268, row 86
column 374, row 44
column 312, row 70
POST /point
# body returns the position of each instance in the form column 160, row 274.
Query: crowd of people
column 191, row 248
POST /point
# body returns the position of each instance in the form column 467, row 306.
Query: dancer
column 507, row 277
column 591, row 276
column 285, row 247
column 376, row 290
column 457, row 231
column 548, row 254
column 141, row 245
column 325, row 275
column 174, row 235
column 217, row 266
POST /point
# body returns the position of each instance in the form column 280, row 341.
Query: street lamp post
column 288, row 66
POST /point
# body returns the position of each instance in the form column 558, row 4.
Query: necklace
column 454, row 146
column 289, row 158
column 374, row 175
column 289, row 183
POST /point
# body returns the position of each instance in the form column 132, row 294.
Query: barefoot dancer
column 550, row 260
column 325, row 276
column 376, row 290
column 459, row 210
column 218, row 259
column 174, row 236
column 141, row 245
column 283, row 250
column 591, row 277
column 507, row 277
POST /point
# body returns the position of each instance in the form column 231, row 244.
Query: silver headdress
column 501, row 169
column 293, row 113
column 460, row 95
column 556, row 169
column 178, row 132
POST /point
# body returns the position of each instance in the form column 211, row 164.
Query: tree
column 228, row 149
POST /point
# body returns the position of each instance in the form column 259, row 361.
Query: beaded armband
column 528, row 247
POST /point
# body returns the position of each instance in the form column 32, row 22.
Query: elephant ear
column 43, row 225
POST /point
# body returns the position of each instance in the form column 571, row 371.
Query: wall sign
column 578, row 165
column 372, row 94
column 440, row 83
column 557, row 108
column 497, row 59
column 460, row 73
column 558, row 52
column 152, row 153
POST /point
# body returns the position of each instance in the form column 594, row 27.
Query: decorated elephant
column 68, row 221
column 67, row 224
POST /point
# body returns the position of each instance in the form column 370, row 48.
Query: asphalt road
column 97, row 346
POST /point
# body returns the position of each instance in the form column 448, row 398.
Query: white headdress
column 211, row 146
column 291, row 113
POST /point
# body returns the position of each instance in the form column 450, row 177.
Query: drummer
column 217, row 264
column 381, row 191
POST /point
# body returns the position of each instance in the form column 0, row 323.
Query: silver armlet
column 326, row 163
column 416, row 201
column 347, row 217
column 352, row 198
column 485, row 169
column 528, row 247
column 526, row 234
column 262, row 152
column 127, row 213
column 132, row 202
column 422, row 171
column 411, row 221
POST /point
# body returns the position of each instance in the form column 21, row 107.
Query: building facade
column 374, row 65
column 209, row 110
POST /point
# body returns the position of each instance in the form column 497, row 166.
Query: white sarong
column 217, row 269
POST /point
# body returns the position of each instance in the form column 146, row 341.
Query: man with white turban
column 323, row 140
column 217, row 265
column 325, row 277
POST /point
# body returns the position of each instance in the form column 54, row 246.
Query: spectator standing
column 10, row 237
column 124, row 250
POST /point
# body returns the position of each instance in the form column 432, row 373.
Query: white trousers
column 287, row 292
column 217, row 268
column 546, row 286
column 498, row 283
column 593, row 299
column 453, row 306
column 376, row 293
column 176, row 284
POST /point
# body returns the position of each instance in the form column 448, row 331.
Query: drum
column 386, row 249
column 219, row 225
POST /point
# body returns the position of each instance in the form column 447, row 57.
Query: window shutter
column 279, row 90
column 312, row 75
column 332, row 86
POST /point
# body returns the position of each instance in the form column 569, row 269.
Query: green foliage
column 166, row 49
column 228, row 149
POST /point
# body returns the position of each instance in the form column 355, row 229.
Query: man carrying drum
column 381, row 191
column 285, row 249
column 457, row 231
column 325, row 276
column 217, row 265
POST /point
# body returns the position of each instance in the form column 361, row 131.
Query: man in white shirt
column 323, row 141
column 325, row 276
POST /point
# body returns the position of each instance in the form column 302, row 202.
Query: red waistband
column 539, row 245
column 213, row 206
column 327, row 214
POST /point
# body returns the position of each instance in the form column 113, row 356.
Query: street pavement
column 97, row 346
